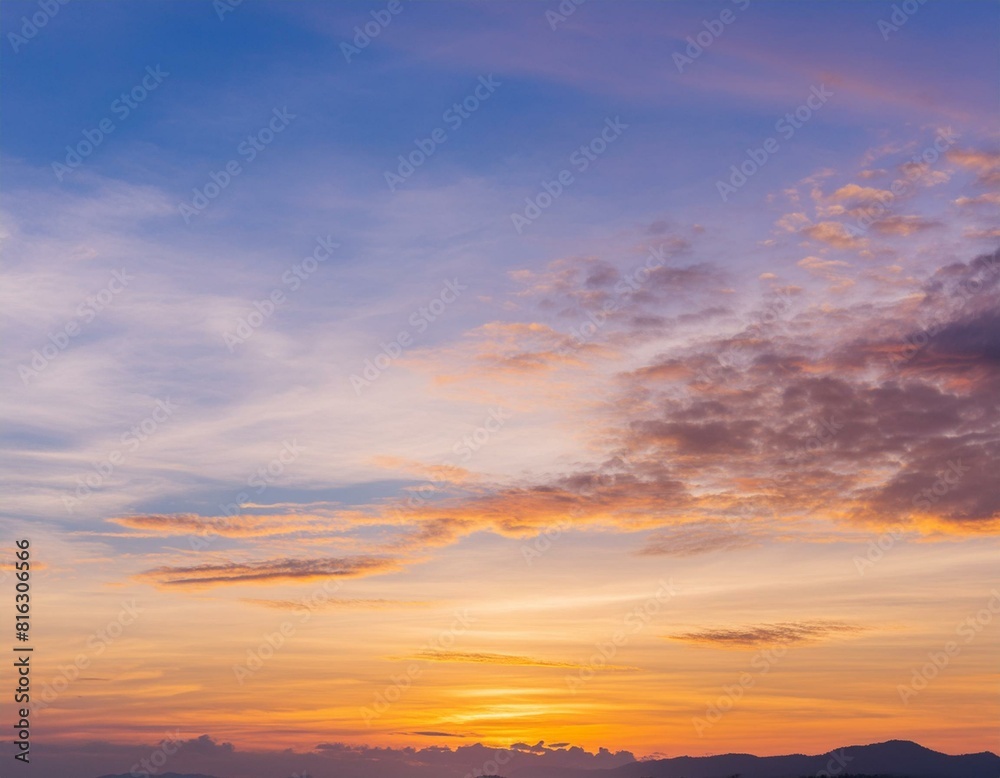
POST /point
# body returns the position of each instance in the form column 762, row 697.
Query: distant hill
column 897, row 758
column 164, row 775
column 893, row 759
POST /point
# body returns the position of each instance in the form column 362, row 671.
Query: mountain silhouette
column 897, row 758
column 892, row 759
column 163, row 775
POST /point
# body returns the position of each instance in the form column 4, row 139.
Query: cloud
column 860, row 195
column 903, row 225
column 503, row 659
column 833, row 234
column 436, row 473
column 989, row 198
column 244, row 525
column 698, row 538
column 838, row 412
column 886, row 149
column 806, row 415
column 827, row 270
column 268, row 571
column 573, row 287
column 336, row 603
column 206, row 745
column 783, row 633
column 991, row 233
column 434, row 532
column 207, row 754
column 793, row 222
column 922, row 173
column 509, row 352
column 986, row 164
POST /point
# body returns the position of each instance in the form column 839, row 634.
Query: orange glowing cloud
column 985, row 163
column 832, row 233
column 268, row 571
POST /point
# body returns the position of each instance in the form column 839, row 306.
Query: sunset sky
column 624, row 378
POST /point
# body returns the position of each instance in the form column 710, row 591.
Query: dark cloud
column 207, row 756
column 239, row 526
column 268, row 571
column 903, row 225
column 578, row 287
column 206, row 746
column 855, row 412
column 768, row 634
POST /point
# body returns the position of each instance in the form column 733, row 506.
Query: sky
column 408, row 378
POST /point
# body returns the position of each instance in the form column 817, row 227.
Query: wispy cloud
column 699, row 538
column 268, row 571
column 337, row 603
column 465, row 657
column 783, row 633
